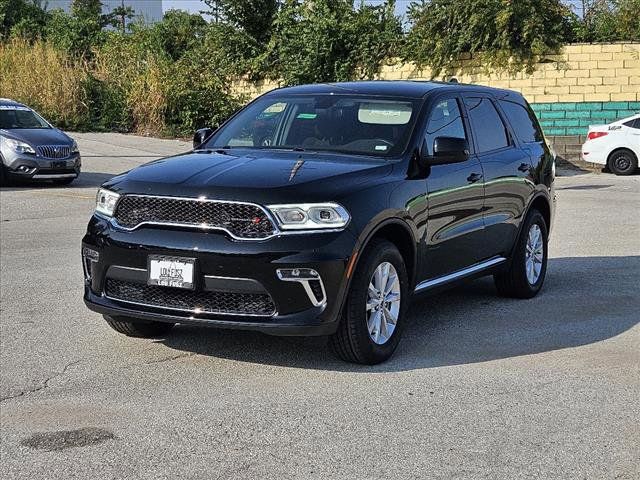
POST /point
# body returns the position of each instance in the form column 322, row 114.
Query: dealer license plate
column 171, row 271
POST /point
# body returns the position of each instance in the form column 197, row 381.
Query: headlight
column 106, row 201
column 74, row 147
column 18, row 146
column 310, row 216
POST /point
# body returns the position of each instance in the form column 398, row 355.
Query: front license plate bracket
column 176, row 272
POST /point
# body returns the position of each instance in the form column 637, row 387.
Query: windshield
column 13, row 117
column 333, row 123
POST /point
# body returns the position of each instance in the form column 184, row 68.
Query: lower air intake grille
column 241, row 220
column 189, row 300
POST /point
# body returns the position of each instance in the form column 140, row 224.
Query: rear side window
column 523, row 122
column 633, row 123
column 489, row 131
column 445, row 121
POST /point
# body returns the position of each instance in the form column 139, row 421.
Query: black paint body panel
column 455, row 215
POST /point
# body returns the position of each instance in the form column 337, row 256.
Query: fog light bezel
column 89, row 257
column 304, row 276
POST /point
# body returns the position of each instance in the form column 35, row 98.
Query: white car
column 616, row 145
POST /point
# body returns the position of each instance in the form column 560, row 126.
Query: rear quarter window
column 523, row 121
column 633, row 123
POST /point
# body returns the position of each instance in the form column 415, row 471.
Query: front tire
column 623, row 162
column 64, row 181
column 376, row 304
column 528, row 268
column 4, row 176
column 140, row 329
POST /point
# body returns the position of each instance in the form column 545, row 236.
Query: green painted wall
column 574, row 118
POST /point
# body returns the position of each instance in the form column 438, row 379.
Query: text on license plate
column 171, row 272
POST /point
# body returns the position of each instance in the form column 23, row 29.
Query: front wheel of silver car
column 4, row 177
column 373, row 318
column 64, row 181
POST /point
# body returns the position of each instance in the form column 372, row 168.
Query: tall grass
column 128, row 86
column 140, row 80
column 42, row 77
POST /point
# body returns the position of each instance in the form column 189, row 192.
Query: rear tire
column 525, row 275
column 138, row 328
column 357, row 339
column 622, row 162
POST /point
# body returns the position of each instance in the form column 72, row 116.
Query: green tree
column 119, row 16
column 330, row 40
column 503, row 34
column 254, row 17
column 81, row 31
column 23, row 18
column 608, row 20
column 629, row 20
column 180, row 32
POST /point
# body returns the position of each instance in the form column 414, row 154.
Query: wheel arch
column 538, row 202
column 399, row 232
column 542, row 204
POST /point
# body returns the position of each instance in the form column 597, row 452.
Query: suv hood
column 38, row 136
column 257, row 176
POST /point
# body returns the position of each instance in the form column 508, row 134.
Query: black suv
column 322, row 209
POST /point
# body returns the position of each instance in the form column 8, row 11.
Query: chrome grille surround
column 191, row 301
column 54, row 151
column 242, row 221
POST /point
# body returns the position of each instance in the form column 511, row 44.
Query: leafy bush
column 330, row 40
column 502, row 34
column 608, row 20
column 22, row 19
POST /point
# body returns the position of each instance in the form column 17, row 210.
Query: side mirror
column 201, row 135
column 448, row 150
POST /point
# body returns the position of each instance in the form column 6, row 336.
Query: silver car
column 33, row 149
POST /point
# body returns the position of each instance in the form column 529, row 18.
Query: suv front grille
column 255, row 304
column 54, row 151
column 241, row 220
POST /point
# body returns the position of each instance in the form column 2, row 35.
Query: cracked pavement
column 480, row 388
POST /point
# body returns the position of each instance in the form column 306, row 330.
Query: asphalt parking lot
column 481, row 387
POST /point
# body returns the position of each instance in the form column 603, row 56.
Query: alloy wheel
column 383, row 303
column 534, row 254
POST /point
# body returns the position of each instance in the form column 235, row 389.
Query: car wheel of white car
column 623, row 162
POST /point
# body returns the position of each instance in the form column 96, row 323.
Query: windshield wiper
column 220, row 150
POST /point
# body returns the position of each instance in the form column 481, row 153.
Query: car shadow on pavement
column 585, row 300
column 85, row 180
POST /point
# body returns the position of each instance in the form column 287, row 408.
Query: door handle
column 524, row 167
column 474, row 177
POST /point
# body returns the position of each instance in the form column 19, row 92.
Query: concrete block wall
column 574, row 118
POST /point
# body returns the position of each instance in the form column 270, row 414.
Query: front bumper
column 227, row 272
column 32, row 167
